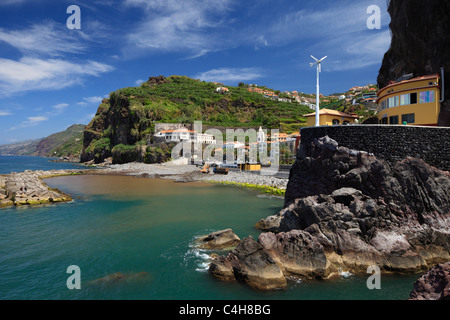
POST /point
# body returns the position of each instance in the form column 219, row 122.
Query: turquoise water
column 145, row 229
column 19, row 164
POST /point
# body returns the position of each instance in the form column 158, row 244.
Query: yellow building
column 328, row 117
column 414, row 102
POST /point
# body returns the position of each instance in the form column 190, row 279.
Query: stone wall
column 391, row 143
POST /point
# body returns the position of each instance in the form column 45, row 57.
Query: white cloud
column 139, row 82
column 4, row 113
column 38, row 74
column 58, row 109
column 364, row 50
column 10, row 2
column 47, row 38
column 93, row 100
column 60, row 106
column 230, row 74
column 338, row 30
column 30, row 122
column 190, row 25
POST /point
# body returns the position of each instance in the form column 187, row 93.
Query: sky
column 53, row 75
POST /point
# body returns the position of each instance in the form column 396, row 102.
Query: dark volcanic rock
column 420, row 44
column 434, row 285
column 347, row 210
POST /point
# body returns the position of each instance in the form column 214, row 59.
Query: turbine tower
column 319, row 69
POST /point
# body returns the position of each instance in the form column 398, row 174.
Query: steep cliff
column 420, row 44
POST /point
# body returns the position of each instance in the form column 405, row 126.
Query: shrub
column 124, row 153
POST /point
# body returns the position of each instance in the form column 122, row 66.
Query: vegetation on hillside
column 67, row 143
column 125, row 122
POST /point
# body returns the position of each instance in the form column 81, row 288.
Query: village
column 418, row 104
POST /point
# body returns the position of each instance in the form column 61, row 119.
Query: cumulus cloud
column 30, row 122
column 44, row 74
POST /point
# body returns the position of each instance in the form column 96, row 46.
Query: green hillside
column 124, row 123
column 67, row 143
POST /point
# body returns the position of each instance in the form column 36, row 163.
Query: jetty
column 27, row 188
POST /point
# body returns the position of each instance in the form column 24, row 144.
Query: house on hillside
column 328, row 117
column 222, row 90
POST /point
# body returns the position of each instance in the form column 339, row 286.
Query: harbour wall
column 389, row 142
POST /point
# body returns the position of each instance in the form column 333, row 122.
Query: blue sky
column 52, row 77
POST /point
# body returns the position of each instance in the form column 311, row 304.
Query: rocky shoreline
column 191, row 173
column 27, row 188
column 346, row 210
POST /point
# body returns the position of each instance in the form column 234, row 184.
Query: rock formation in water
column 347, row 210
column 420, row 44
column 219, row 240
column 434, row 285
column 27, row 188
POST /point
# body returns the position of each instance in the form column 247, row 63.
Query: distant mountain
column 68, row 143
column 23, row 148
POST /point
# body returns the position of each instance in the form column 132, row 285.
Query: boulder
column 219, row 240
column 250, row 264
column 297, row 252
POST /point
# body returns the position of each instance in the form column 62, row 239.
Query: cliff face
column 420, row 44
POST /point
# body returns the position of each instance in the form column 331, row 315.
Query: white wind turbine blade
column 315, row 58
column 323, row 58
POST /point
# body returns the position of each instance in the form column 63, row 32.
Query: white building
column 185, row 135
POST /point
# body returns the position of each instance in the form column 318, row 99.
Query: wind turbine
column 319, row 69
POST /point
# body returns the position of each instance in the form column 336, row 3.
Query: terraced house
column 411, row 101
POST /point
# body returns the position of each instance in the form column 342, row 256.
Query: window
column 405, row 99
column 393, row 102
column 384, row 120
column 335, row 122
column 413, row 98
column 393, row 120
column 408, row 118
column 426, row 96
column 383, row 105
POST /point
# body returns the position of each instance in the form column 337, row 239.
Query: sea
column 132, row 238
